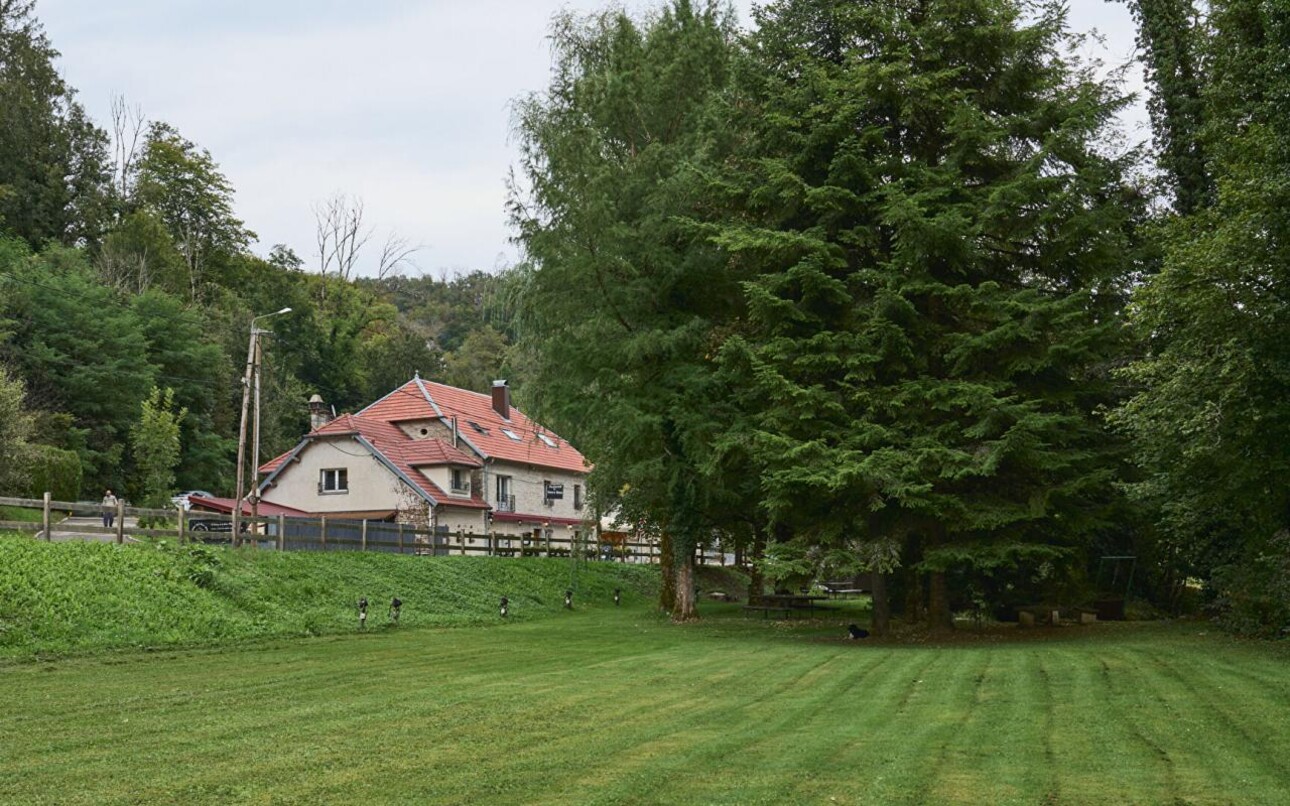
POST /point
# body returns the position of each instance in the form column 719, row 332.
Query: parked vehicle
column 181, row 500
column 212, row 525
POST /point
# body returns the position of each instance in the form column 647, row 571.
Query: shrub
column 53, row 470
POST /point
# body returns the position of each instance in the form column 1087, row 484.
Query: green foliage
column 182, row 185
column 80, row 349
column 1170, row 48
column 936, row 248
column 1252, row 597
column 154, row 443
column 53, row 160
column 53, row 470
column 620, row 300
column 187, row 359
column 76, row 597
column 15, row 428
column 1209, row 422
column 479, row 361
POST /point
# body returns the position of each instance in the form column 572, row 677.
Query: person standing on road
column 109, row 509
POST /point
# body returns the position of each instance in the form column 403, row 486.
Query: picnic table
column 841, row 590
column 787, row 603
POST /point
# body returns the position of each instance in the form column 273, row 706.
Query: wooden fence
column 65, row 520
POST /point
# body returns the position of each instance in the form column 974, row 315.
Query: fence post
column 282, row 532
column 461, row 542
column 322, row 530
column 400, row 537
column 44, row 519
column 180, row 524
column 120, row 521
column 363, row 536
column 492, row 544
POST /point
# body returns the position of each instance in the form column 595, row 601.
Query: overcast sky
column 405, row 103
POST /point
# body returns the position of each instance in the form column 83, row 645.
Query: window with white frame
column 505, row 500
column 334, row 480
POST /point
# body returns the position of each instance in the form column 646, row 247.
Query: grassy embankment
column 77, row 597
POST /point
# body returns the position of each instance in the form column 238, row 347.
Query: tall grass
column 58, row 598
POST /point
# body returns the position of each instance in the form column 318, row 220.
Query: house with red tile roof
column 440, row 457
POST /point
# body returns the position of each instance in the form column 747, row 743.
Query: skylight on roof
column 477, row 427
column 508, row 432
column 550, row 442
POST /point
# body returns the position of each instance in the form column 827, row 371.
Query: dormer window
column 460, row 481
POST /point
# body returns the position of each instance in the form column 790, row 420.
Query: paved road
column 72, row 529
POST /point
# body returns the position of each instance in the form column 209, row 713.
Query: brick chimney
column 502, row 399
column 318, row 413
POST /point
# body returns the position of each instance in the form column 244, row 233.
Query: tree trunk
column 684, row 609
column 938, row 607
column 880, row 619
column 667, row 568
column 756, row 580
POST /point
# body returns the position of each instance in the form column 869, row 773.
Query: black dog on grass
column 857, row 633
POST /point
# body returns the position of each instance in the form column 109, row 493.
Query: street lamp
column 250, row 379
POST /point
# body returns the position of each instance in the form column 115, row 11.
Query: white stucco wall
column 470, row 521
column 371, row 485
column 442, row 476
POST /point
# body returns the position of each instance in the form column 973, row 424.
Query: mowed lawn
column 615, row 706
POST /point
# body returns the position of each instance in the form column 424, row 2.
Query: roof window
column 477, row 427
column 508, row 432
column 549, row 442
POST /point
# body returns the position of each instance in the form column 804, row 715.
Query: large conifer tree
column 937, row 237
column 622, row 297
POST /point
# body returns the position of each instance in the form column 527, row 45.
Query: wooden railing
column 316, row 533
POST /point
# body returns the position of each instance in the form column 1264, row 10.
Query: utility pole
column 250, row 378
column 255, row 443
column 241, row 439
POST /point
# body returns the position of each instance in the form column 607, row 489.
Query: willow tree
column 621, row 296
column 936, row 237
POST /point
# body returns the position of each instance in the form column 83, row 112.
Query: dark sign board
column 554, row 492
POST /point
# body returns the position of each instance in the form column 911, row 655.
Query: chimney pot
column 318, row 413
column 502, row 399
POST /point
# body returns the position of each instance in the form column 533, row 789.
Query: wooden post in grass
column 322, row 530
column 180, row 531
column 461, row 542
column 363, row 536
column 44, row 519
column 400, row 537
column 120, row 521
column 282, row 532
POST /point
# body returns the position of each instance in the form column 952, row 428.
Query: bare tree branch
column 128, row 125
column 339, row 234
column 396, row 251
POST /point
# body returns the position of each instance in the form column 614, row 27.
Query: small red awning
column 225, row 505
column 536, row 520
